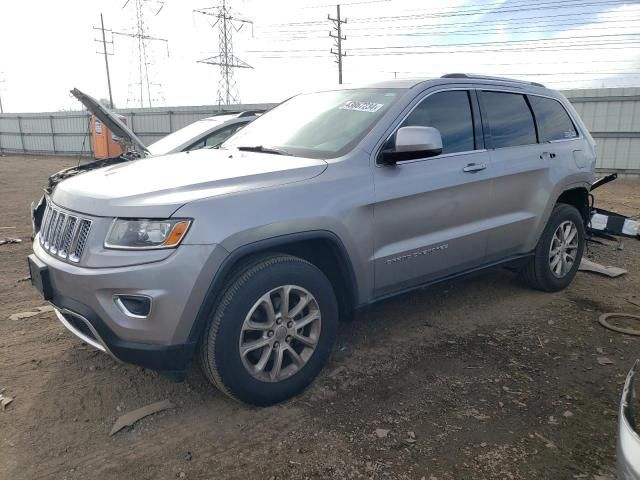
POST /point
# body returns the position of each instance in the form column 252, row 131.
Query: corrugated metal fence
column 611, row 114
column 67, row 133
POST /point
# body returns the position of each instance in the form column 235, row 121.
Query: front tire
column 271, row 332
column 559, row 251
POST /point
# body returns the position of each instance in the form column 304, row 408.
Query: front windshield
column 317, row 125
column 191, row 132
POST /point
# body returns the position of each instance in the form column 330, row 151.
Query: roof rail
column 486, row 77
column 249, row 113
column 240, row 113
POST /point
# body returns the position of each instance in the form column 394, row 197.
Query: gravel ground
column 477, row 378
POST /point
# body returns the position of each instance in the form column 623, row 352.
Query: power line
column 502, row 42
column 533, row 6
column 492, row 7
column 526, row 62
column 510, row 21
column 515, row 6
column 471, row 27
column 350, row 3
column 546, row 48
column 519, row 31
column 471, row 44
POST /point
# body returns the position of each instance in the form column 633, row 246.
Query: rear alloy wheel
column 563, row 249
column 559, row 251
column 272, row 330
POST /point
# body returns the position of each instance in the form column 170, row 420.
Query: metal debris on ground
column 337, row 371
column 587, row 265
column 10, row 240
column 604, row 321
column 547, row 443
column 5, row 401
column 632, row 302
column 129, row 419
column 604, row 221
column 605, row 361
column 38, row 311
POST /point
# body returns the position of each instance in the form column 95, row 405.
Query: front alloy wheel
column 271, row 331
column 280, row 333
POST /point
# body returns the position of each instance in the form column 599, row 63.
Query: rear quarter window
column 554, row 123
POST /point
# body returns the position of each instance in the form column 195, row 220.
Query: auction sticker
column 362, row 106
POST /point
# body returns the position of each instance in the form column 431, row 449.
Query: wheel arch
column 577, row 197
column 574, row 194
column 322, row 248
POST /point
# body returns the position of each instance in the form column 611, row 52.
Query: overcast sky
column 47, row 48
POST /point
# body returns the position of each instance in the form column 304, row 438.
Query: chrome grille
column 81, row 240
column 64, row 234
column 67, row 236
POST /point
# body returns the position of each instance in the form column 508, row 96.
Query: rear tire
column 559, row 251
column 271, row 332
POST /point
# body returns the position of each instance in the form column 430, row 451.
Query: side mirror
column 413, row 143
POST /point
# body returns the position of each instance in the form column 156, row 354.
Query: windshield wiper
column 263, row 149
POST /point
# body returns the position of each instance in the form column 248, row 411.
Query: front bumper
column 173, row 359
column 85, row 302
column 629, row 430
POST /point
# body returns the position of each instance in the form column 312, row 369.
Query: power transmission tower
column 337, row 28
column 142, row 37
column 106, row 54
column 227, row 23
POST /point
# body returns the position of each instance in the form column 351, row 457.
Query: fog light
column 134, row 305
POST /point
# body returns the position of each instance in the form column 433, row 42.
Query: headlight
column 146, row 233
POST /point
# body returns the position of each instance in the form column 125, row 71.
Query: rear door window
column 450, row 113
column 553, row 120
column 510, row 119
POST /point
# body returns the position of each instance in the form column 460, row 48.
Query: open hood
column 111, row 120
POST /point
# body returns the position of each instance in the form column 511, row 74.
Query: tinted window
column 217, row 138
column 510, row 119
column 318, row 125
column 553, row 120
column 450, row 113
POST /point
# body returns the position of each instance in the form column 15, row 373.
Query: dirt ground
column 477, row 378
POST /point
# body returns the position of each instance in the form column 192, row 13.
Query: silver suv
column 246, row 256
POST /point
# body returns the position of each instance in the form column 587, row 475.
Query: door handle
column 474, row 167
column 549, row 154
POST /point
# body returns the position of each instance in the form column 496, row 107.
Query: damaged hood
column 111, row 120
column 156, row 187
column 56, row 178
